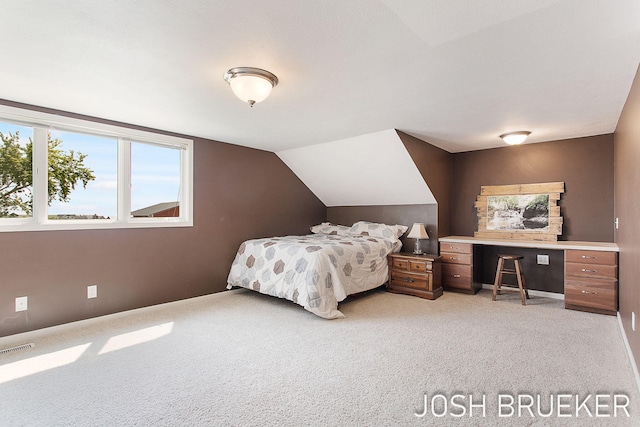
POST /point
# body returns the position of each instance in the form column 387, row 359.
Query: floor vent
column 18, row 348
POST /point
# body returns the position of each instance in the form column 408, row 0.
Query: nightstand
column 412, row 274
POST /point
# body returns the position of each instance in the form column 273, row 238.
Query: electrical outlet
column 21, row 304
column 633, row 321
column 92, row 291
column 543, row 259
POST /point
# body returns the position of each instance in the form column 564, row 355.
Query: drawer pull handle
column 591, row 293
column 454, row 257
column 457, row 276
column 589, row 257
column 589, row 271
column 408, row 279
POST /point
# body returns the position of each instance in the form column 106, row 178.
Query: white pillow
column 377, row 229
column 328, row 228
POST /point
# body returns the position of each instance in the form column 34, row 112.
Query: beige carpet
column 240, row 359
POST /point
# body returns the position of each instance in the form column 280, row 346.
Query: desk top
column 561, row 245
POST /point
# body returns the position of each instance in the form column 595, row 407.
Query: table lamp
column 418, row 232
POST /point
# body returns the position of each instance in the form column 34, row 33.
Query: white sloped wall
column 367, row 170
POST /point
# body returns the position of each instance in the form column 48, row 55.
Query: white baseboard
column 533, row 292
column 629, row 352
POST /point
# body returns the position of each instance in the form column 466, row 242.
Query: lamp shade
column 251, row 88
column 418, row 232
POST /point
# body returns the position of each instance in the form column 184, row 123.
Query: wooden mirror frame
column 553, row 189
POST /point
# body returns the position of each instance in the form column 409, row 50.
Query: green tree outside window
column 66, row 170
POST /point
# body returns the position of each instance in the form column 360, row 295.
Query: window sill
column 94, row 224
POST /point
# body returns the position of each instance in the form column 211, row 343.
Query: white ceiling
column 456, row 73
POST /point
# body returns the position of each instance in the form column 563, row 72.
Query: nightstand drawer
column 456, row 258
column 601, row 295
column 411, row 265
column 419, row 266
column 591, row 257
column 591, row 270
column 460, row 248
column 400, row 264
column 408, row 280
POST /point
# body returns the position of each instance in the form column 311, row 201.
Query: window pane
column 83, row 176
column 155, row 181
column 16, row 171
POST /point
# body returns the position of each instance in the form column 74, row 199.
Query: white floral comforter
column 315, row 271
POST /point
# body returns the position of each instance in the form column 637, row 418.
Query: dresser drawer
column 459, row 248
column 402, row 279
column 457, row 276
column 595, row 294
column 456, row 258
column 590, row 270
column 591, row 257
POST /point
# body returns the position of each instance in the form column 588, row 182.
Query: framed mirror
column 520, row 212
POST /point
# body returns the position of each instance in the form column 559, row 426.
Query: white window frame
column 42, row 122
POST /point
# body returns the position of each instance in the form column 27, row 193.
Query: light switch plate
column 92, row 291
column 21, row 304
column 543, row 259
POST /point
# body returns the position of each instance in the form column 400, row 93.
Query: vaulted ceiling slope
column 455, row 73
column 367, row 170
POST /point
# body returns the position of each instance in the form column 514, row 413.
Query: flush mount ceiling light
column 250, row 84
column 515, row 138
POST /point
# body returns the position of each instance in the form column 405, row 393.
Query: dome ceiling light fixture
column 250, row 84
column 515, row 138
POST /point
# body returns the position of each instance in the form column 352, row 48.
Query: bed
column 319, row 270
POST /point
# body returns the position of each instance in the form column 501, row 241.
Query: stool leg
column 524, row 284
column 519, row 277
column 498, row 280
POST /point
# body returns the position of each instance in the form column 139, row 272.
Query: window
column 98, row 199
column 61, row 173
column 155, row 181
column 16, row 180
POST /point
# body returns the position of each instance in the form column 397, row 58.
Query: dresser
column 591, row 281
column 417, row 275
column 458, row 268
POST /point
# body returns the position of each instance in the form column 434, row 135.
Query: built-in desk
column 585, row 272
column 563, row 245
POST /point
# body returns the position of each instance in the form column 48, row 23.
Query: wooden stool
column 517, row 271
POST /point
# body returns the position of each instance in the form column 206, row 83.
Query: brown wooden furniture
column 517, row 271
column 458, row 268
column 590, row 268
column 590, row 281
column 417, row 275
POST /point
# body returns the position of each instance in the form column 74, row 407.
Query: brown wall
column 239, row 193
column 436, row 167
column 585, row 165
column 627, row 209
column 392, row 214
